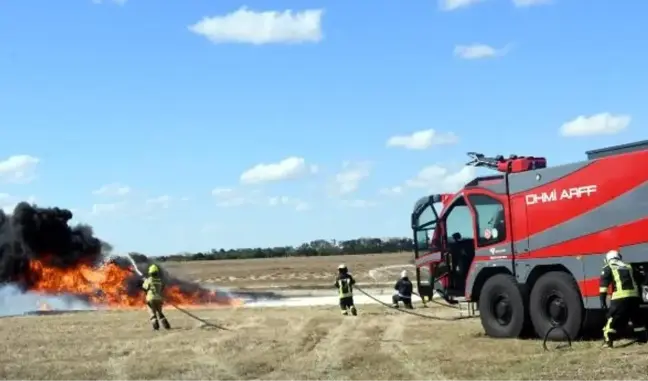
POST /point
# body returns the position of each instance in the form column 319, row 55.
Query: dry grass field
column 297, row 272
column 296, row 343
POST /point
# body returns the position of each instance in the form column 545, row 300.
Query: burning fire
column 108, row 285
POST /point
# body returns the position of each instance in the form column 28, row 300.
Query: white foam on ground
column 307, row 301
column 15, row 302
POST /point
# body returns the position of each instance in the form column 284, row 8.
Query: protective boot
column 642, row 336
column 608, row 344
column 354, row 312
column 394, row 305
column 345, row 312
column 165, row 323
column 156, row 325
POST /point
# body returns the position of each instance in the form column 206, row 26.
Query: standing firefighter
column 403, row 293
column 154, row 287
column 625, row 300
column 344, row 283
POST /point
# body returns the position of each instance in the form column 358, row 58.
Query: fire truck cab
column 527, row 245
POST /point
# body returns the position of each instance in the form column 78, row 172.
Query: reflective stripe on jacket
column 153, row 287
column 621, row 276
column 344, row 284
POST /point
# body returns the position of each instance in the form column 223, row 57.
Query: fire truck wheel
column 502, row 307
column 556, row 301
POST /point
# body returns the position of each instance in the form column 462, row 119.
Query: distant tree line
column 320, row 247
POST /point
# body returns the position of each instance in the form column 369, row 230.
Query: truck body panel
column 568, row 216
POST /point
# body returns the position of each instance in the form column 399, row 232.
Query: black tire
column 502, row 289
column 562, row 289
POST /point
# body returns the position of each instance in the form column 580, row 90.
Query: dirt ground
column 296, row 272
column 295, row 343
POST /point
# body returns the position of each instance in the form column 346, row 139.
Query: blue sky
column 169, row 101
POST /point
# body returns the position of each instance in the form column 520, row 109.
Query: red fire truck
column 527, row 245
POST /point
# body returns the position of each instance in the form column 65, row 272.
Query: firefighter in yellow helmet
column 154, row 287
column 344, row 283
column 625, row 301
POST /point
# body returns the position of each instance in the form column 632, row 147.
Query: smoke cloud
column 33, row 234
column 43, row 234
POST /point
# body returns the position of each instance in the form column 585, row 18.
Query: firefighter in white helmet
column 625, row 301
column 344, row 283
column 403, row 292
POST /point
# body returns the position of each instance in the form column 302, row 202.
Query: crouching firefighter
column 344, row 283
column 154, row 287
column 403, row 292
column 625, row 301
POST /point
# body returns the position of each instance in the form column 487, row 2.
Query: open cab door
column 430, row 260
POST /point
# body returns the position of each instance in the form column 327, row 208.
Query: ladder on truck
column 466, row 309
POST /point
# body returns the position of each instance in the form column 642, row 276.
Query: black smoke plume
column 43, row 234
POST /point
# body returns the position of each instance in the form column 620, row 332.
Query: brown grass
column 297, row 272
column 297, row 343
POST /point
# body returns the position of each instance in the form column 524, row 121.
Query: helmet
column 153, row 269
column 342, row 267
column 612, row 254
column 404, row 274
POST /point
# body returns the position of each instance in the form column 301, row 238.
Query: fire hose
column 413, row 312
column 207, row 323
column 544, row 341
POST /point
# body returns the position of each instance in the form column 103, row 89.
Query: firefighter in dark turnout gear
column 344, row 283
column 625, row 301
column 154, row 287
column 403, row 293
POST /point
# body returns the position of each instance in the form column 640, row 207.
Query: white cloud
column 530, row 3
column 358, row 203
column 451, row 5
column 118, row 2
column 438, row 179
column 263, row 27
column 228, row 197
column 420, row 140
column 288, row 168
column 348, row 180
column 161, row 201
column 218, row 192
column 298, row 204
column 599, row 124
column 106, row 208
column 479, row 51
column 8, row 202
column 393, row 191
column 114, row 189
column 20, row 169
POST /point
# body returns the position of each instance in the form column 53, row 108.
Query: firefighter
column 625, row 300
column 154, row 287
column 403, row 292
column 344, row 283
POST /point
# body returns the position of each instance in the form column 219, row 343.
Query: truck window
column 423, row 239
column 491, row 223
column 459, row 220
column 425, row 228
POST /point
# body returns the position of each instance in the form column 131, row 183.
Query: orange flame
column 107, row 285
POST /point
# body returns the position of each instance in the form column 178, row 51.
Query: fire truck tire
column 502, row 307
column 556, row 293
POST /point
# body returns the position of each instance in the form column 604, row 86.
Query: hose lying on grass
column 413, row 312
column 544, row 341
column 205, row 322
